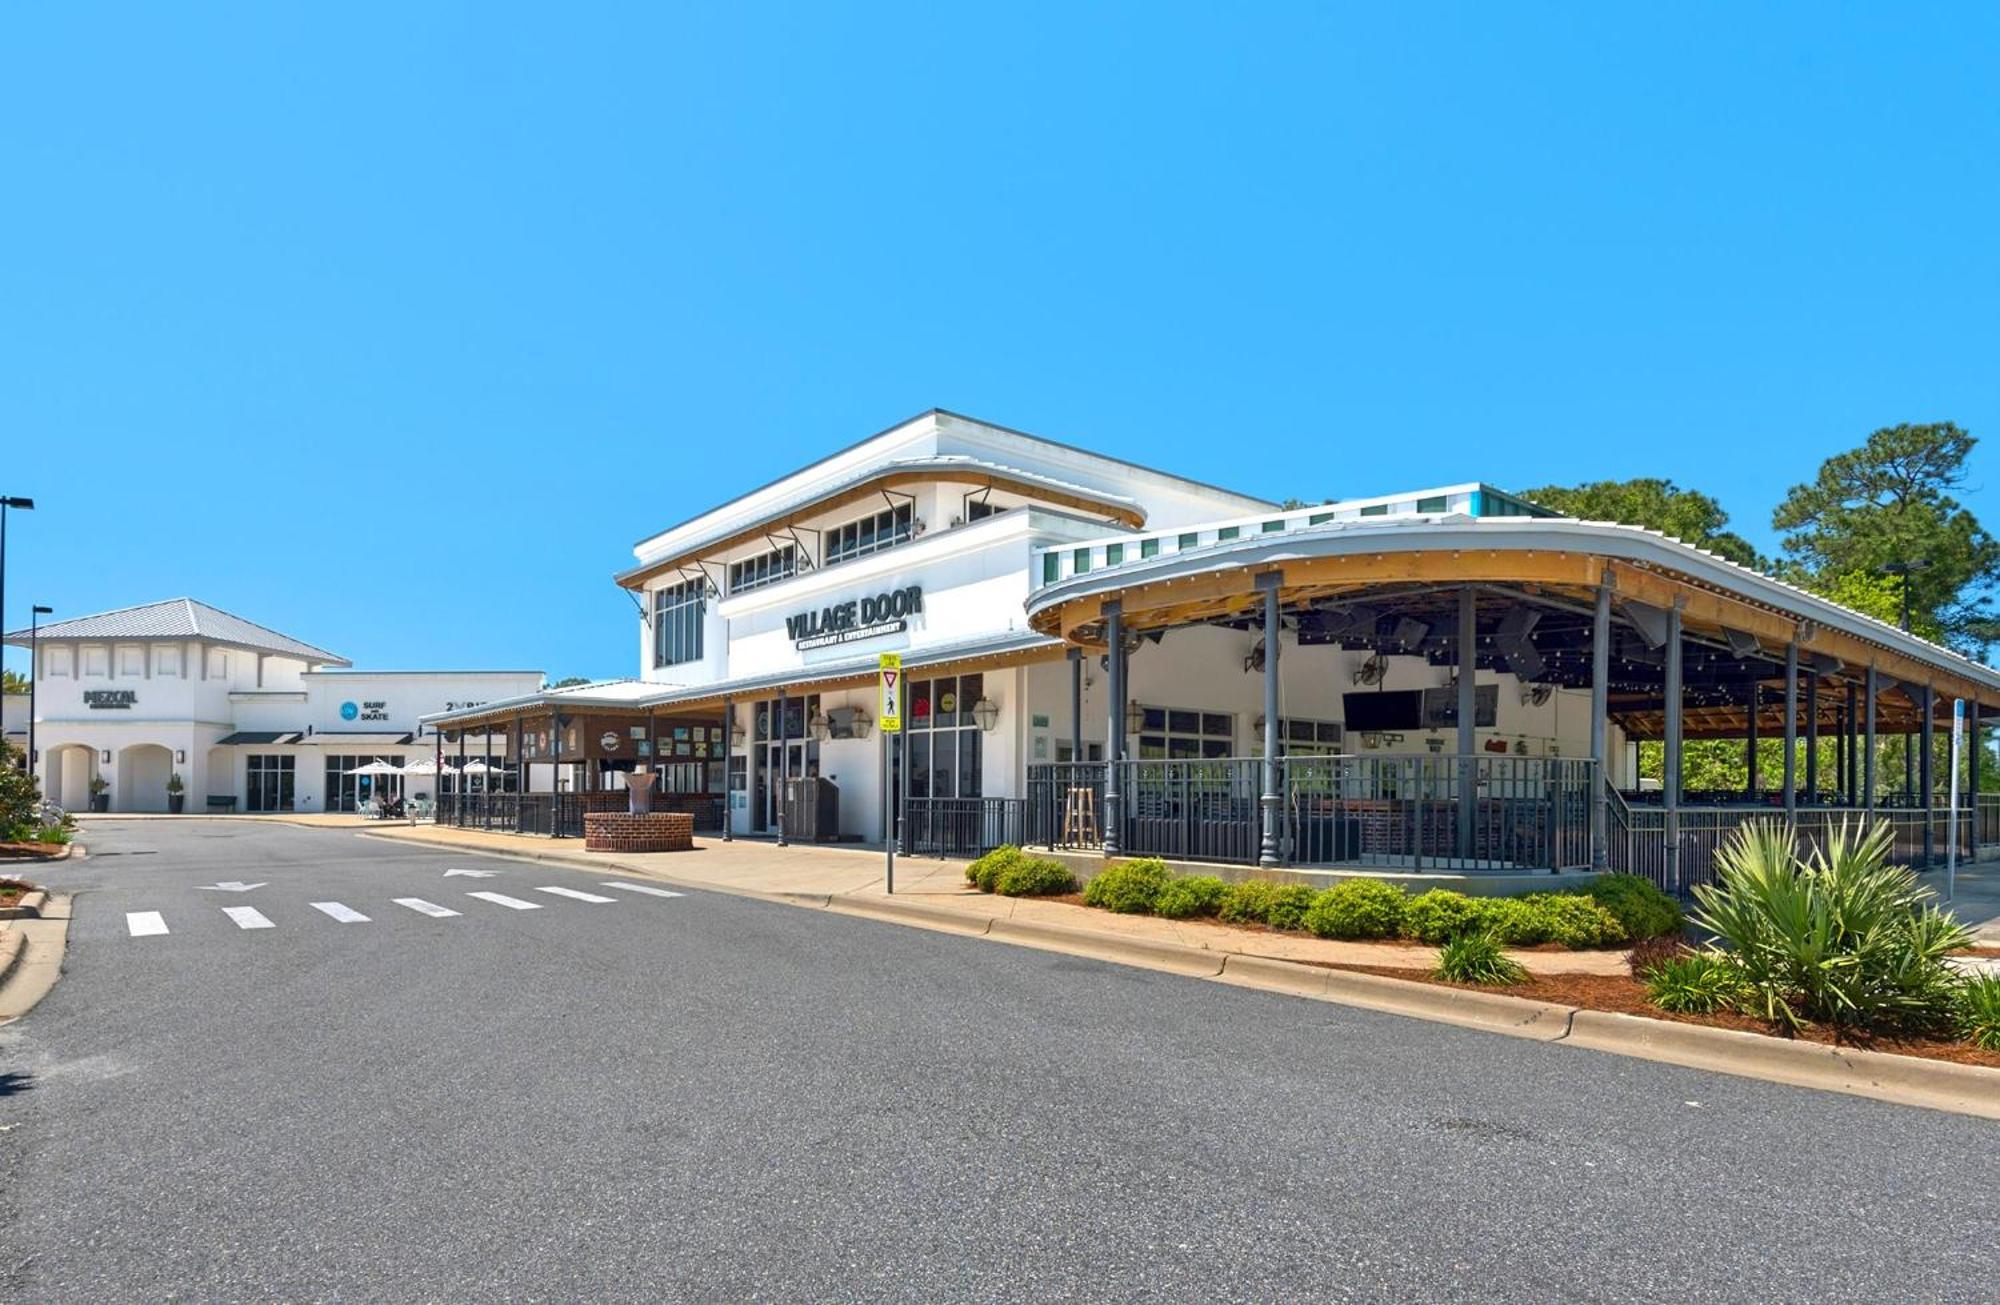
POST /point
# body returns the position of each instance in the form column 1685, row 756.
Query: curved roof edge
column 1606, row 538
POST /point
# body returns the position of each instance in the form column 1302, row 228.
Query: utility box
column 812, row 810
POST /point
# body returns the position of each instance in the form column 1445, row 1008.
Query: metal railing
column 1065, row 805
column 1388, row 812
column 1637, row 835
column 962, row 826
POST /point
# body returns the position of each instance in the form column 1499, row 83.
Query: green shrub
column 1440, row 915
column 985, row 873
column 1643, row 910
column 1248, row 902
column 1193, row 895
column 1695, row 983
column 1566, row 918
column 1289, row 906
column 1128, row 887
column 1357, row 908
column 1477, row 958
column 1841, row 937
column 1034, row 876
column 1979, row 1011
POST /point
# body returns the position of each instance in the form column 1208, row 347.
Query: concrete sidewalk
column 762, row 868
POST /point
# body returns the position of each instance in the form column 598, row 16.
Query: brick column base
column 621, row 831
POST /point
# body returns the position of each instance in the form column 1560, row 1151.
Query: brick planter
column 621, row 831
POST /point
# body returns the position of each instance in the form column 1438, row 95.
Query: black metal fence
column 1388, row 812
column 1637, row 837
column 962, row 826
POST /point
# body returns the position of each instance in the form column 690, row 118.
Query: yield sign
column 889, row 717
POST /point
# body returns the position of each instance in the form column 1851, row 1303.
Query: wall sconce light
column 104, row 757
column 180, row 756
column 821, row 727
column 736, row 733
column 987, row 713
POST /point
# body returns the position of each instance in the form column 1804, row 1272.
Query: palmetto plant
column 1839, row 936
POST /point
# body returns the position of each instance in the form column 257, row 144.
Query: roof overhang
column 881, row 479
column 1560, row 555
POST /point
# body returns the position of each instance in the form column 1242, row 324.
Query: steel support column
column 1600, row 705
column 1972, row 776
column 781, row 726
column 1853, row 735
column 1750, row 784
column 1868, row 747
column 728, row 796
column 1791, row 730
column 521, row 786
column 1075, row 709
column 1114, row 746
column 1670, row 779
column 1926, row 792
column 1272, row 802
column 1812, row 739
column 1468, row 702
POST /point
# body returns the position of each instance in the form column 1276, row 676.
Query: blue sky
column 394, row 327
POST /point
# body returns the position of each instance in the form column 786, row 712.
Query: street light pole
column 26, row 505
column 35, row 615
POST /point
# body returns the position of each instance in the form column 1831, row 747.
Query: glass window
column 1188, row 541
column 1273, row 527
column 1375, row 510
column 1174, row 732
column 1319, row 518
column 871, row 534
column 1051, row 568
column 271, row 781
column 764, row 569
column 679, row 615
column 1228, row 532
column 1437, row 503
column 1079, row 561
column 1114, row 554
column 1308, row 738
column 980, row 509
column 1149, row 548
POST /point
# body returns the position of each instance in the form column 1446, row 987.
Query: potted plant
column 100, row 797
column 176, row 793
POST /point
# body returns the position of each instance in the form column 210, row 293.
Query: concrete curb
column 934, row 917
column 1882, row 1076
column 13, row 946
column 1910, row 1080
column 1177, row 958
column 29, row 907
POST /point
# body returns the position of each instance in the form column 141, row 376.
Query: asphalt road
column 705, row 1098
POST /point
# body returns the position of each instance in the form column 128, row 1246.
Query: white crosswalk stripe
column 647, row 889
column 579, row 896
column 144, row 924
column 422, row 907
column 501, row 899
column 341, row 912
column 248, row 917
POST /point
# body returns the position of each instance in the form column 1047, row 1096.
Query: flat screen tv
column 1375, row 710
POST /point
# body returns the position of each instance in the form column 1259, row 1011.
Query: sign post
column 1951, row 787
column 889, row 718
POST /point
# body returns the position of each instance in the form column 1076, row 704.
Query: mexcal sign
column 857, row 618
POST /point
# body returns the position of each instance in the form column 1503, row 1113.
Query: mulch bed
column 1625, row 995
column 32, row 851
column 12, row 889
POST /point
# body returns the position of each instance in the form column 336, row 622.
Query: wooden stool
column 1080, row 818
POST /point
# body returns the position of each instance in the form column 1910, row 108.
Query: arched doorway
column 66, row 773
column 143, row 770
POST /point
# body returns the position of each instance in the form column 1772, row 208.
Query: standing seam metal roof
column 180, row 618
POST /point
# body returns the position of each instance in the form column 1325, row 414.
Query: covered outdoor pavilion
column 1669, row 642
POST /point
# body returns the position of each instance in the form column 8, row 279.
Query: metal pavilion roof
column 180, row 618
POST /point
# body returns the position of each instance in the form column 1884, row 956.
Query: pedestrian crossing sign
column 890, row 717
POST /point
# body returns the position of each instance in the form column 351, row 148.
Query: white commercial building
column 249, row 719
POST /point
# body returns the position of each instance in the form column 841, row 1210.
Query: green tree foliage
column 13, row 682
column 1890, row 503
column 20, row 796
column 1686, row 514
column 570, row 681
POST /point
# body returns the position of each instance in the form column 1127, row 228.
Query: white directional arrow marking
column 475, row 874
column 230, row 886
